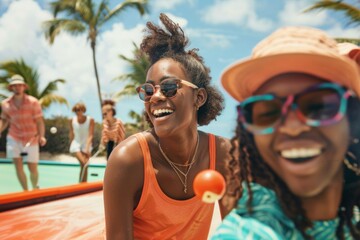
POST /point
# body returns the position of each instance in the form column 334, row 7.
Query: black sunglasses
column 167, row 87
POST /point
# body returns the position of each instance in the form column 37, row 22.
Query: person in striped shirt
column 23, row 114
column 113, row 131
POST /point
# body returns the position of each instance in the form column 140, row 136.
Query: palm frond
column 102, row 11
column 51, row 87
column 48, row 99
column 82, row 15
column 135, row 115
column 128, row 90
column 31, row 77
column 85, row 9
column 53, row 27
column 352, row 12
column 62, row 6
column 123, row 77
column 78, row 9
column 140, row 5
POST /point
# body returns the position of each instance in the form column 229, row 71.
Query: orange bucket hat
column 291, row 49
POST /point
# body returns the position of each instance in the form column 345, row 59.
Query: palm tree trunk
column 96, row 74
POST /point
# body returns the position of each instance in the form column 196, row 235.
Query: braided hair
column 246, row 165
column 170, row 43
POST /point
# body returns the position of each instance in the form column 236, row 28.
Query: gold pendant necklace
column 176, row 169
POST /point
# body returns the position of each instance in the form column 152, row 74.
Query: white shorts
column 77, row 147
column 14, row 149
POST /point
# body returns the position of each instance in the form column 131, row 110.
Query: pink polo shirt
column 22, row 121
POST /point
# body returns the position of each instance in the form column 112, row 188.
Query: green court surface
column 51, row 174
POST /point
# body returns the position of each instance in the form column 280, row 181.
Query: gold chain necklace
column 176, row 169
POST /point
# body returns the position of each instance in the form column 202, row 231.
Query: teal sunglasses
column 320, row 105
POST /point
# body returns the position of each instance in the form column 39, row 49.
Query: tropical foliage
column 138, row 66
column 31, row 76
column 351, row 12
column 139, row 125
column 81, row 16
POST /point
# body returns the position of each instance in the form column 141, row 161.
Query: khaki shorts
column 15, row 148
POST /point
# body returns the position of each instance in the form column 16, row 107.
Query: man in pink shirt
column 26, row 130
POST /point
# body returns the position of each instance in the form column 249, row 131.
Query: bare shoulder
column 126, row 159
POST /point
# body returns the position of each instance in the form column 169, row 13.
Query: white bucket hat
column 16, row 79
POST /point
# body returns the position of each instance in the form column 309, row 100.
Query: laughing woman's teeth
column 300, row 152
column 159, row 112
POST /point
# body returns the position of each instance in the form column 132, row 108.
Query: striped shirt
column 22, row 120
column 113, row 132
column 268, row 221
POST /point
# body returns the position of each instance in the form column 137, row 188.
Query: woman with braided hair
column 148, row 190
column 295, row 169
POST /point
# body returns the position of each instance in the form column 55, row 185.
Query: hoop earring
column 352, row 166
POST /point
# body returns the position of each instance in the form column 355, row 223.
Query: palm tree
column 139, row 125
column 46, row 96
column 351, row 12
column 137, row 74
column 85, row 16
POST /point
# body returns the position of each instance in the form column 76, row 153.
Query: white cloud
column 70, row 57
column 111, row 44
column 212, row 39
column 337, row 31
column 20, row 33
column 240, row 13
column 292, row 14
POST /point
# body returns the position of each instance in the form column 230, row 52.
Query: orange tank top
column 159, row 217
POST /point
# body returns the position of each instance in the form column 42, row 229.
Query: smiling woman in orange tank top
column 148, row 190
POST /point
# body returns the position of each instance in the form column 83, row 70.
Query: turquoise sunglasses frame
column 289, row 103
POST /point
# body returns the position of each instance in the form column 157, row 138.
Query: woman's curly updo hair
column 171, row 43
column 247, row 165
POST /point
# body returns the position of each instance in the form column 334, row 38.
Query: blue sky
column 222, row 30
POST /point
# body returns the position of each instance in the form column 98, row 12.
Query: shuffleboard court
column 77, row 217
column 51, row 174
